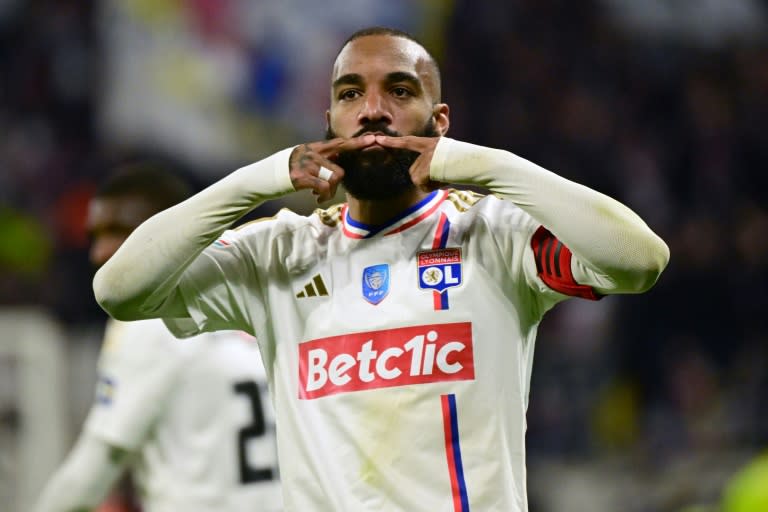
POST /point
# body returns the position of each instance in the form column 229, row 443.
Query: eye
column 401, row 92
column 348, row 94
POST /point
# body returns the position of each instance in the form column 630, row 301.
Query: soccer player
column 398, row 328
column 191, row 419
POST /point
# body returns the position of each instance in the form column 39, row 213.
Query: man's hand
column 425, row 146
column 307, row 161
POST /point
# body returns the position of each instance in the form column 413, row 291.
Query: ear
column 441, row 112
column 327, row 119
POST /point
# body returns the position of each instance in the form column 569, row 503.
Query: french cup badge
column 439, row 269
column 376, row 283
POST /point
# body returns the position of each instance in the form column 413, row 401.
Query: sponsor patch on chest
column 388, row 358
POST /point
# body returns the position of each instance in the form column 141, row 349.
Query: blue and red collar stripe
column 441, row 233
column 410, row 217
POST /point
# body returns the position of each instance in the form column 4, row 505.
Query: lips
column 376, row 129
column 375, row 145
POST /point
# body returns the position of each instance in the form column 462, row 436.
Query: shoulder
column 472, row 206
column 329, row 217
column 141, row 339
column 145, row 330
column 286, row 223
column 287, row 240
column 235, row 351
column 464, row 201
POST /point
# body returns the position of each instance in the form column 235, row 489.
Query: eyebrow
column 402, row 76
column 391, row 78
column 348, row 79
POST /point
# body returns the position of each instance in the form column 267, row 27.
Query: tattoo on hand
column 304, row 157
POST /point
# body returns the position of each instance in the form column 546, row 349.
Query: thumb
column 420, row 170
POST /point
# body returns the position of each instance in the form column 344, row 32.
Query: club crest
column 439, row 269
column 376, row 283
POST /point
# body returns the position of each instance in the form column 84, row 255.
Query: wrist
column 464, row 163
column 267, row 178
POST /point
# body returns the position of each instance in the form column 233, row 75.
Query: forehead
column 384, row 54
column 118, row 212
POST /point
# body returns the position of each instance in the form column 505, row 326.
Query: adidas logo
column 314, row 288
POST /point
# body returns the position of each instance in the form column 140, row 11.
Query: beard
column 379, row 173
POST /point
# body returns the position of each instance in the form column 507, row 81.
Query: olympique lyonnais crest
column 439, row 269
column 376, row 283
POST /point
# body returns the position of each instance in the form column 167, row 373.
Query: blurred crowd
column 662, row 109
column 675, row 128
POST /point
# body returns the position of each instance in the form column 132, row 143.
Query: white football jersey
column 399, row 355
column 196, row 414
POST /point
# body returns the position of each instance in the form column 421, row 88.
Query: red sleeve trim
column 553, row 264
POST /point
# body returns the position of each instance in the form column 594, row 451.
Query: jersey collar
column 406, row 219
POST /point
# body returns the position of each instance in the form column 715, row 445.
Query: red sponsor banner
column 439, row 257
column 380, row 359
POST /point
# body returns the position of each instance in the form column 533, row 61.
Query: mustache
column 377, row 127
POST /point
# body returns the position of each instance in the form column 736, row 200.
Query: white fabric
column 384, row 449
column 174, row 405
column 617, row 252
column 161, row 260
column 362, row 428
column 83, row 480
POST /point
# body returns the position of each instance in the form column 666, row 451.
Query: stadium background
column 638, row 403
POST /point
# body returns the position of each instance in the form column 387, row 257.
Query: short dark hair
column 388, row 31
column 148, row 180
column 380, row 31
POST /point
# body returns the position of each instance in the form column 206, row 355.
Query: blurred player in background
column 398, row 328
column 191, row 419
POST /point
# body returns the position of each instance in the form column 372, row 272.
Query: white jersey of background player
column 397, row 329
column 192, row 420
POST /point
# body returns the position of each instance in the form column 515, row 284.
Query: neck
column 377, row 212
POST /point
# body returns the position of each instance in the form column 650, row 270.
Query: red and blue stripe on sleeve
column 553, row 264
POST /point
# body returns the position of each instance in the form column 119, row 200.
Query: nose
column 375, row 109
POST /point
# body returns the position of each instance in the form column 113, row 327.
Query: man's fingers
column 326, row 177
column 393, row 142
column 332, row 147
column 327, row 170
column 412, row 142
column 357, row 142
column 424, row 146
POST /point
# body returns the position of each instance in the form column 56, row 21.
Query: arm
column 85, row 478
column 615, row 250
column 140, row 280
column 137, row 374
